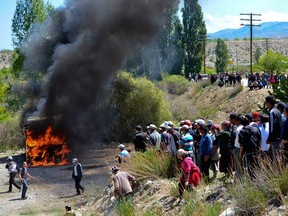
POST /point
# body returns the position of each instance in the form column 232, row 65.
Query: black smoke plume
column 79, row 49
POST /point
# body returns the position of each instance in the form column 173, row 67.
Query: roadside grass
column 236, row 90
column 50, row 212
column 125, row 208
column 253, row 195
column 153, row 164
column 195, row 206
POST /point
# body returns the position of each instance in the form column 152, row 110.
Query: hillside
column 276, row 30
column 239, row 50
column 212, row 102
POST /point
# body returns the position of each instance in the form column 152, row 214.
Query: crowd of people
column 233, row 147
column 264, row 80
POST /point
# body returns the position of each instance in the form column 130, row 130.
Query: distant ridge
column 275, row 30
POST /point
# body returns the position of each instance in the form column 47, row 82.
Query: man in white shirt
column 237, row 160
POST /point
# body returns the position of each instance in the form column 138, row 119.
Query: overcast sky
column 218, row 14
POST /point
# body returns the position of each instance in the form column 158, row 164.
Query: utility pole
column 251, row 20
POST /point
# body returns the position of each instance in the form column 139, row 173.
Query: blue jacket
column 206, row 145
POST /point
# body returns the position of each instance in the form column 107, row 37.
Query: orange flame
column 47, row 149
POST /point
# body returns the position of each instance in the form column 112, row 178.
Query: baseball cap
column 121, row 146
column 200, row 122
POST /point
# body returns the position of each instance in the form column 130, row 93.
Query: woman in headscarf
column 191, row 175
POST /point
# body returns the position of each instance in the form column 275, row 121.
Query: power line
column 251, row 20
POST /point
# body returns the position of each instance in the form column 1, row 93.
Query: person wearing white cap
column 154, row 137
column 124, row 154
column 77, row 175
column 12, row 169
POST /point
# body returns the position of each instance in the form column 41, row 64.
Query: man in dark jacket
column 77, row 175
column 250, row 143
column 275, row 128
column 12, row 169
column 140, row 139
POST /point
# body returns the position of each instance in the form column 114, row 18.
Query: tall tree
column 176, row 54
column 222, row 56
column 257, row 55
column 194, row 32
column 27, row 12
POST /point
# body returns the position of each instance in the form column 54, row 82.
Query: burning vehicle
column 46, row 144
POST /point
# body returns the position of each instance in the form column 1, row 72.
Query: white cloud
column 215, row 24
column 272, row 16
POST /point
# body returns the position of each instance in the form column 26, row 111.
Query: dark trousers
column 205, row 167
column 77, row 184
column 12, row 181
column 182, row 188
column 24, row 188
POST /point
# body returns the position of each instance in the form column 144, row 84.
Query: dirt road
column 53, row 187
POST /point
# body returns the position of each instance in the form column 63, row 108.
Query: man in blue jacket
column 206, row 146
column 77, row 175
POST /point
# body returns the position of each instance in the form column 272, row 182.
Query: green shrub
column 196, row 206
column 155, row 211
column 135, row 101
column 175, row 84
column 236, row 90
column 250, row 196
column 11, row 135
column 153, row 164
column 125, row 208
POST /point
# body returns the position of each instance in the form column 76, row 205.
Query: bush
column 11, row 135
column 196, row 206
column 175, row 84
column 135, row 101
column 236, row 90
column 125, row 208
column 250, row 197
column 153, row 164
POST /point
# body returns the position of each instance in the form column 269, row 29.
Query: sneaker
column 24, row 198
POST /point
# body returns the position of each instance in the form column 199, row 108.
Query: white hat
column 121, row 146
column 152, row 126
column 75, row 160
column 9, row 158
column 200, row 122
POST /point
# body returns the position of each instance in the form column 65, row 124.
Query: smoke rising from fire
column 79, row 49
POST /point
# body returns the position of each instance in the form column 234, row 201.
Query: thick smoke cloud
column 80, row 48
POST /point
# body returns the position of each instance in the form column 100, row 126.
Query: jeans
column 12, row 181
column 24, row 188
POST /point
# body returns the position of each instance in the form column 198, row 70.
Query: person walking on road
column 12, row 169
column 77, row 175
column 23, row 175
